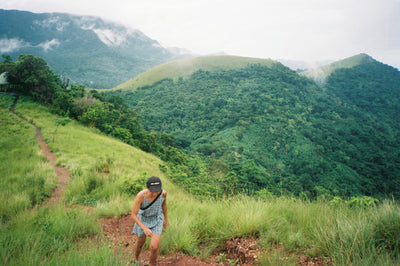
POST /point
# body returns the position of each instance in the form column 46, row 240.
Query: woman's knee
column 155, row 241
column 154, row 248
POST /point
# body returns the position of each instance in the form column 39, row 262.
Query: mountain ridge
column 185, row 67
column 86, row 49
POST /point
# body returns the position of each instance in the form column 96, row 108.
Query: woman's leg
column 155, row 241
column 138, row 247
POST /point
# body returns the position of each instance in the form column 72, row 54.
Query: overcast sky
column 309, row 30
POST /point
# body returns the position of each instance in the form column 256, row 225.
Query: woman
column 149, row 218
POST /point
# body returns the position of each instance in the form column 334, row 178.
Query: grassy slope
column 47, row 236
column 320, row 74
column 186, row 67
column 83, row 150
column 26, row 178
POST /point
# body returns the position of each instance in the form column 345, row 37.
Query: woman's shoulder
column 164, row 194
column 141, row 194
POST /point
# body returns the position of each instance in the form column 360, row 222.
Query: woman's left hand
column 165, row 224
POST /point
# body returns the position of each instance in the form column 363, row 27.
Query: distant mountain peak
column 87, row 49
column 320, row 74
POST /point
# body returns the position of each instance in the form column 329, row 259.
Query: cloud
column 49, row 44
column 14, row 44
column 10, row 45
column 51, row 22
column 109, row 37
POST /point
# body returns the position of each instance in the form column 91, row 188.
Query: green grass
column 43, row 236
column 345, row 235
column 185, row 67
column 103, row 171
column 98, row 164
column 26, row 178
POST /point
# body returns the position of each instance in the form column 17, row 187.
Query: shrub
column 132, row 186
column 103, row 166
column 362, row 202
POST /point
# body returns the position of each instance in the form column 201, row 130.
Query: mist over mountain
column 298, row 65
column 86, row 49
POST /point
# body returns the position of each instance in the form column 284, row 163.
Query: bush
column 362, row 202
column 103, row 166
column 132, row 186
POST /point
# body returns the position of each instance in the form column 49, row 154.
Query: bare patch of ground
column 119, row 232
column 241, row 251
column 307, row 260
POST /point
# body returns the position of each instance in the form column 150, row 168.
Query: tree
column 35, row 78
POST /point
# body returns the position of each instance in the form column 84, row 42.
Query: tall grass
column 287, row 228
column 362, row 236
column 34, row 237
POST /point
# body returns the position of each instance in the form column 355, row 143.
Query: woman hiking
column 148, row 210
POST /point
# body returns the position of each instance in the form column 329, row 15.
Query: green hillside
column 185, row 67
column 321, row 74
column 373, row 87
column 104, row 173
column 277, row 130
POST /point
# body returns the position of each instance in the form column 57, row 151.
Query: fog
column 309, row 30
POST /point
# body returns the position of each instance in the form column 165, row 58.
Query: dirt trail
column 61, row 172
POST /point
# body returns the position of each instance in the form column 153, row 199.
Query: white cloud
column 13, row 44
column 49, row 44
column 110, row 37
column 53, row 21
column 10, row 45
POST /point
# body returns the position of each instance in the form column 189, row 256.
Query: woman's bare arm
column 165, row 209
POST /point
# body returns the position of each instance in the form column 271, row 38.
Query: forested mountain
column 279, row 130
column 185, row 67
column 88, row 50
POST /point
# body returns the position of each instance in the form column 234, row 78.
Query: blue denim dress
column 152, row 217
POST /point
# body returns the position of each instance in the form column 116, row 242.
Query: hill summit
column 321, row 74
column 185, row 67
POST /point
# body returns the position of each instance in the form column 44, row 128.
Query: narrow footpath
column 57, row 194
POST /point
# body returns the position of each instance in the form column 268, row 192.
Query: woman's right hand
column 147, row 232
